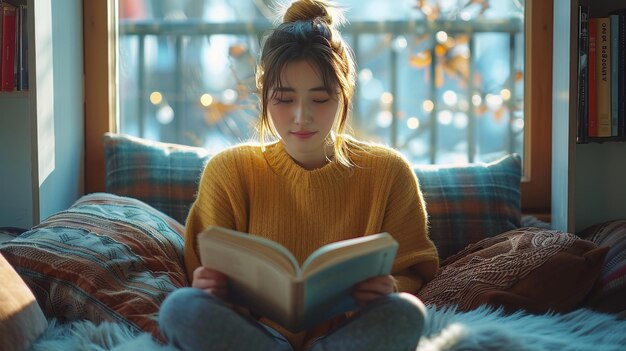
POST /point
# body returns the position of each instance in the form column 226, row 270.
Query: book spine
column 603, row 76
column 592, row 105
column 614, row 21
column 7, row 73
column 22, row 50
column 621, row 74
column 583, row 41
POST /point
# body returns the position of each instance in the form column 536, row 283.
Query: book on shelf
column 22, row 48
column 614, row 28
column 8, row 14
column 266, row 278
column 603, row 75
column 583, row 67
column 592, row 96
column 619, row 75
column 14, row 45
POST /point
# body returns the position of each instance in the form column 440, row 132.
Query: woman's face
column 303, row 112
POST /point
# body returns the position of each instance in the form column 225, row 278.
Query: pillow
column 106, row 258
column 464, row 203
column 468, row 203
column 9, row 233
column 530, row 268
column 163, row 175
column 610, row 297
column 21, row 318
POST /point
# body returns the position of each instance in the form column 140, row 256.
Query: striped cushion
column 468, row 203
column 611, row 295
column 164, row 175
column 105, row 258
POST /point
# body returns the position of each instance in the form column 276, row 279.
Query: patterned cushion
column 166, row 176
column 105, row 258
column 468, row 203
column 534, row 269
column 610, row 297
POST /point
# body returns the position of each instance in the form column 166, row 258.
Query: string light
column 206, row 100
column 156, row 98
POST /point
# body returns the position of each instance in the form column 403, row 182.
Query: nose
column 300, row 113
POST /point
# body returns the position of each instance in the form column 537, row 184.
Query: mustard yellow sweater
column 268, row 194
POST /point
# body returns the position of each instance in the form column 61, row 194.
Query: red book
column 7, row 44
column 592, row 97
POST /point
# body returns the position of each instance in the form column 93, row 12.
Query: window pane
column 442, row 81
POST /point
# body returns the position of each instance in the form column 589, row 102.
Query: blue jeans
column 194, row 320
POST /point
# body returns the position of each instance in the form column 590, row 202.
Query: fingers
column 381, row 284
column 205, row 272
column 373, row 288
column 210, row 281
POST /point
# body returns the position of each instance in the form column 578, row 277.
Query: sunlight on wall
column 45, row 90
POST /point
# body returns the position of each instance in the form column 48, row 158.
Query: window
column 441, row 81
column 446, row 119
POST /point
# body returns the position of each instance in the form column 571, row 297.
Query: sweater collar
column 282, row 163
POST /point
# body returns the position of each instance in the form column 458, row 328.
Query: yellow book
column 265, row 277
column 603, row 76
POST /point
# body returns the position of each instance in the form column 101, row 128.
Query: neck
column 310, row 161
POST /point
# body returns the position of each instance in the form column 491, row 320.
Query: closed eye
column 282, row 101
column 321, row 101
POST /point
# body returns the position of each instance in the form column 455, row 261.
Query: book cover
column 583, row 42
column 592, row 98
column 7, row 44
column 265, row 277
column 603, row 75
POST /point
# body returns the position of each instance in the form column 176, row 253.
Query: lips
column 303, row 134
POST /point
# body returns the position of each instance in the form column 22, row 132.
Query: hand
column 211, row 281
column 373, row 288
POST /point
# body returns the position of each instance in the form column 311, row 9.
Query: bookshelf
column 588, row 180
column 41, row 129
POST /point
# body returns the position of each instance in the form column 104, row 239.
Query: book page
column 256, row 245
column 333, row 253
column 254, row 281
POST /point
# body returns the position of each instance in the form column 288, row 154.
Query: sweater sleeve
column 406, row 219
column 213, row 206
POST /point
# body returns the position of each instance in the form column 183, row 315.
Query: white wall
column 65, row 184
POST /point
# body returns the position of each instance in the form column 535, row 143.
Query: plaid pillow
column 468, row 203
column 465, row 203
column 163, row 175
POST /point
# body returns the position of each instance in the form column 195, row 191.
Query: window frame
column 101, row 108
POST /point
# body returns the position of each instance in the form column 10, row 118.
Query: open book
column 265, row 277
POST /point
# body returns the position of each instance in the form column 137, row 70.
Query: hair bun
column 303, row 10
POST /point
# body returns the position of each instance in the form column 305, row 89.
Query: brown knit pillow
column 528, row 268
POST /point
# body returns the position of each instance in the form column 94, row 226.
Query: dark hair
column 307, row 33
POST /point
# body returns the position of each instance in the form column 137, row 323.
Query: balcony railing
column 356, row 33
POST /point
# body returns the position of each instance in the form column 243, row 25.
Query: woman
column 312, row 186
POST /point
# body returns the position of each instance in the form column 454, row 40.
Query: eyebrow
column 288, row 89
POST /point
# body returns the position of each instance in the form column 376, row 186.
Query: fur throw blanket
column 445, row 329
